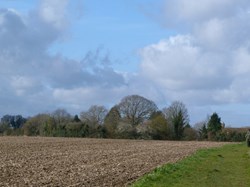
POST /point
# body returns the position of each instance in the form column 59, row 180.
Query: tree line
column 135, row 117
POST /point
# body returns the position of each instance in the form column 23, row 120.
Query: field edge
column 173, row 173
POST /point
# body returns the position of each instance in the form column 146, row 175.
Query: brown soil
column 37, row 161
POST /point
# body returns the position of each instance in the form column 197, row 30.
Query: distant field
column 38, row 161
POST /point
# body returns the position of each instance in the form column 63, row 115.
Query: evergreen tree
column 111, row 122
column 177, row 115
column 214, row 126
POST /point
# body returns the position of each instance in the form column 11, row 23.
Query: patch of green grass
column 227, row 166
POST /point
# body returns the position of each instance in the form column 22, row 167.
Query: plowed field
column 38, row 161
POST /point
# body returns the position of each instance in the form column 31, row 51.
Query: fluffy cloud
column 179, row 66
column 54, row 12
column 209, row 64
column 206, row 64
column 192, row 13
column 34, row 81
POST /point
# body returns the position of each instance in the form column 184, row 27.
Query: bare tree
column 94, row 115
column 61, row 116
column 177, row 115
column 136, row 109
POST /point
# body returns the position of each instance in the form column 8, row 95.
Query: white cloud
column 195, row 12
column 24, row 85
column 210, row 63
column 206, row 63
column 178, row 64
column 241, row 65
column 81, row 98
column 54, row 12
column 34, row 81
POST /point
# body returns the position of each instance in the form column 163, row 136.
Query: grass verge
column 217, row 167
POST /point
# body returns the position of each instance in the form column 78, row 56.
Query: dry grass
column 39, row 161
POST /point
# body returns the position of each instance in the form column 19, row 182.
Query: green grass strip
column 217, row 167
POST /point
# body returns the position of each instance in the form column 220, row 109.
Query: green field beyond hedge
column 227, row 166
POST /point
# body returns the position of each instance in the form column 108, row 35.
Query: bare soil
column 39, row 161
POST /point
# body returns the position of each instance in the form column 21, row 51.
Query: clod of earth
column 40, row 161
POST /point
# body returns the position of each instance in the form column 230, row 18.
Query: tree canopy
column 134, row 117
column 214, row 125
column 135, row 109
column 177, row 115
column 94, row 115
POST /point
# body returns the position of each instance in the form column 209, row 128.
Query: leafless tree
column 94, row 115
column 136, row 109
column 61, row 116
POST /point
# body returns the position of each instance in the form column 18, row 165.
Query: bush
column 231, row 135
column 190, row 134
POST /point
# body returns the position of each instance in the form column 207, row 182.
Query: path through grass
column 228, row 166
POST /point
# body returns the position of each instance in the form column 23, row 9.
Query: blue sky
column 117, row 30
column 73, row 54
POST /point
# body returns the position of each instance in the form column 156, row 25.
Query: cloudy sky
column 74, row 54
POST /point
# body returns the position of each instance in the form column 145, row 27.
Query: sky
column 74, row 54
